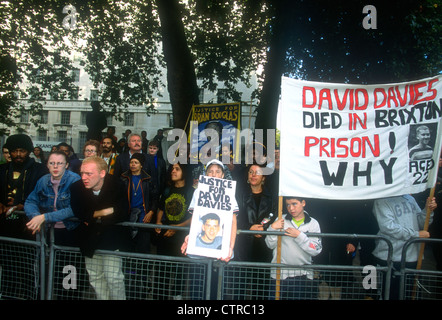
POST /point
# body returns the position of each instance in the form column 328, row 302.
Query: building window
column 65, row 117
column 94, row 95
column 44, row 115
column 24, row 117
column 62, row 136
column 171, row 121
column 201, row 95
column 82, row 139
column 221, row 96
column 83, row 118
column 109, row 119
column 42, row 135
column 129, row 119
column 76, row 75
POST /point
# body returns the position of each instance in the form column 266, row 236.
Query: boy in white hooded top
column 297, row 248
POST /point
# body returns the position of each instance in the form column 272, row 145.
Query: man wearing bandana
column 17, row 180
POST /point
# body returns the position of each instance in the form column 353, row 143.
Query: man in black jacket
column 99, row 201
column 17, row 180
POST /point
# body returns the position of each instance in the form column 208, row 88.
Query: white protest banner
column 342, row 141
column 211, row 225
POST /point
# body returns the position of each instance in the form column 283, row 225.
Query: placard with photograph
column 211, row 225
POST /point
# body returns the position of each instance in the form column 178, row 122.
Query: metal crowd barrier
column 22, row 268
column 423, row 283
column 43, row 270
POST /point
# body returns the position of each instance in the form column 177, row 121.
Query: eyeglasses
column 58, row 164
column 257, row 172
column 90, row 151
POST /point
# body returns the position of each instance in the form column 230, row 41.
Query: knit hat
column 140, row 157
column 19, row 140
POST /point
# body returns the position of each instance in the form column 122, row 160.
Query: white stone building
column 65, row 121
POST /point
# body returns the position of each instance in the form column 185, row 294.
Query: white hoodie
column 296, row 251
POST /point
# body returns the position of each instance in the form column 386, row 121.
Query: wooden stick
column 278, row 253
column 422, row 246
column 426, row 225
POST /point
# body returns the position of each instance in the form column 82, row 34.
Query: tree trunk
column 271, row 90
column 181, row 78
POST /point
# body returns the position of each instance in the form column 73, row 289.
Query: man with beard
column 17, row 180
column 110, row 157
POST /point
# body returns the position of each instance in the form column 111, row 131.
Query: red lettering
column 356, row 141
column 309, row 144
column 322, row 146
column 341, row 103
column 375, row 150
column 342, row 146
column 365, row 95
column 430, row 89
column 411, row 90
column 391, row 97
column 417, row 93
column 402, row 101
column 383, row 101
column 352, row 102
column 304, row 94
column 324, row 94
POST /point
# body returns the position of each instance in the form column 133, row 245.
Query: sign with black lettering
column 343, row 141
column 211, row 225
column 218, row 124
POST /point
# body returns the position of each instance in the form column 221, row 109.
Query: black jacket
column 15, row 225
column 248, row 247
column 32, row 171
column 149, row 190
column 122, row 165
column 101, row 233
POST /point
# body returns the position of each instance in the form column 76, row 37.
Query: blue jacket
column 41, row 200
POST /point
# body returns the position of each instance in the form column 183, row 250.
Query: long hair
column 183, row 167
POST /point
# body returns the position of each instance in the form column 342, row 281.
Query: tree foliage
column 33, row 48
column 326, row 41
column 120, row 43
column 126, row 44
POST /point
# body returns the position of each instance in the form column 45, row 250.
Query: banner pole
column 422, row 246
column 278, row 254
column 426, row 225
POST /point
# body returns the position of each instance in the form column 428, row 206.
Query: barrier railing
column 158, row 277
column 347, row 282
column 22, row 268
column 423, row 283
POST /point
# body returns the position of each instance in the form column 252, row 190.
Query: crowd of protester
column 128, row 180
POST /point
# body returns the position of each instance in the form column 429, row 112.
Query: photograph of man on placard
column 211, row 226
column 210, row 236
column 421, row 141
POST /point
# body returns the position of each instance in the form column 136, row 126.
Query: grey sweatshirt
column 399, row 219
